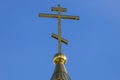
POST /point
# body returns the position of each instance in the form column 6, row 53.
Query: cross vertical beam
column 59, row 30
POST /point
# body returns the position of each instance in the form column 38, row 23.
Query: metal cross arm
column 61, row 16
column 57, row 9
column 62, row 39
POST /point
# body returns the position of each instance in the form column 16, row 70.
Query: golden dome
column 59, row 58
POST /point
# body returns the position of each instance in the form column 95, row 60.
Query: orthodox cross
column 59, row 17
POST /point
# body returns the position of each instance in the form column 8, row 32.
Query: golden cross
column 59, row 16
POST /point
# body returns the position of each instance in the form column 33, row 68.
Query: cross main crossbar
column 61, row 16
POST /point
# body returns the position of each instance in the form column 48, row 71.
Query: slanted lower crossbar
column 62, row 39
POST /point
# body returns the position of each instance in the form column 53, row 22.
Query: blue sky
column 27, row 49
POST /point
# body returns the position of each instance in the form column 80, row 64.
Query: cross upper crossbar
column 56, row 9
